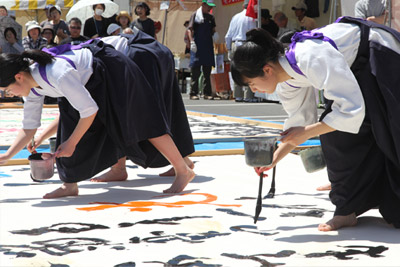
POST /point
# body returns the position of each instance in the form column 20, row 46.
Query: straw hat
column 124, row 13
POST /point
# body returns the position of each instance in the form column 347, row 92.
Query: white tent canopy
column 34, row 4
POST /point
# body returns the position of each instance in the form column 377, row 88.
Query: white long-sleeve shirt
column 326, row 68
column 66, row 82
column 240, row 24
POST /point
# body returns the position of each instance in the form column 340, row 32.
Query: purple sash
column 56, row 52
column 299, row 37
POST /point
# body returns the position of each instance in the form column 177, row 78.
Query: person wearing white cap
column 60, row 27
column 34, row 40
column 113, row 29
column 305, row 23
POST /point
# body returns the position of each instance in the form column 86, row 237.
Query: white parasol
column 84, row 9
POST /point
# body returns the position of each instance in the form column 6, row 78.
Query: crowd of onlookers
column 54, row 31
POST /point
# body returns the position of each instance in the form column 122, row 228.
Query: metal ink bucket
column 42, row 166
column 313, row 159
column 259, row 151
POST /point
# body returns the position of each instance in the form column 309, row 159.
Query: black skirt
column 129, row 114
column 364, row 168
column 157, row 64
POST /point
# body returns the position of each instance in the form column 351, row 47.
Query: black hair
column 286, row 38
column 3, row 7
column 11, row 64
column 250, row 58
column 145, row 6
column 75, row 19
column 11, row 29
column 103, row 5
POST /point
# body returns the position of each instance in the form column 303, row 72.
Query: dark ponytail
column 250, row 58
column 11, row 64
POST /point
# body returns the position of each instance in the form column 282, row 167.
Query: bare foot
column 67, row 189
column 171, row 172
column 181, row 181
column 326, row 187
column 113, row 175
column 338, row 222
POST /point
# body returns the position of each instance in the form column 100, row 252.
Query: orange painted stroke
column 145, row 206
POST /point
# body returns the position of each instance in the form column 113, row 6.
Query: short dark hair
column 3, row 7
column 103, row 5
column 145, row 6
column 75, row 19
column 10, row 29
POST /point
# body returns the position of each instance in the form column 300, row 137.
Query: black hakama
column 364, row 168
column 157, row 64
column 129, row 114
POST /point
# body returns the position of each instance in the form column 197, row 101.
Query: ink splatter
column 245, row 198
column 118, row 247
column 181, row 260
column 62, row 229
column 311, row 213
column 184, row 237
column 242, row 228
column 251, row 257
column 57, row 247
column 236, row 213
column 126, row 264
column 297, row 207
column 346, row 255
column 58, row 265
column 21, row 254
column 280, row 254
column 168, row 221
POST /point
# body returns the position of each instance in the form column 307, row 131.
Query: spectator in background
column 75, row 26
column 11, row 46
column 96, row 26
column 3, row 11
column 283, row 23
column 34, row 40
column 124, row 19
column 113, row 29
column 305, row 23
column 46, row 10
column 268, row 24
column 143, row 23
column 202, row 28
column 236, row 35
column 186, row 38
column 49, row 34
column 59, row 26
column 373, row 10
